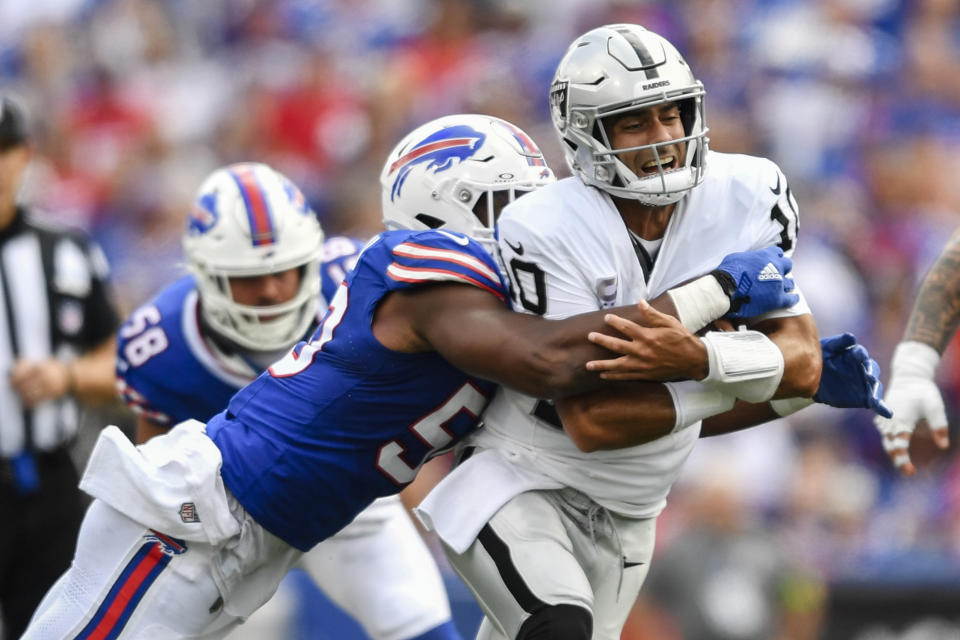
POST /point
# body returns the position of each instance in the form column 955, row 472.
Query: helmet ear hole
column 599, row 127
column 688, row 114
column 429, row 220
column 482, row 206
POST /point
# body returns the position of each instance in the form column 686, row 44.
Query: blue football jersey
column 342, row 420
column 338, row 258
column 165, row 369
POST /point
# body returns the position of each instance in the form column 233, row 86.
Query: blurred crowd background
column 791, row 530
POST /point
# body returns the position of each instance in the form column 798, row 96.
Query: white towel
column 171, row 483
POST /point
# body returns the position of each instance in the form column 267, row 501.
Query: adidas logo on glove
column 769, row 273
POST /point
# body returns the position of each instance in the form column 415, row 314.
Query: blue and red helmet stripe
column 262, row 229
column 533, row 153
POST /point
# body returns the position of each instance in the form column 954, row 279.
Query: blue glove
column 850, row 377
column 756, row 282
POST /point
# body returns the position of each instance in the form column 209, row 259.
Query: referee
column 57, row 323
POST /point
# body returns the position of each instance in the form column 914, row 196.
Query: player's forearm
column 555, row 351
column 936, row 312
column 797, row 339
column 147, row 428
column 93, row 375
column 619, row 415
column 742, row 416
column 672, row 352
column 547, row 358
column 539, row 357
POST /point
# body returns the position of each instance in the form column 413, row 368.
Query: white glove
column 913, row 396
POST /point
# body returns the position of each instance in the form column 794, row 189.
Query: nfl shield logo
column 70, row 317
column 188, row 512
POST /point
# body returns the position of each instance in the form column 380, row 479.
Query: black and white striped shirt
column 54, row 301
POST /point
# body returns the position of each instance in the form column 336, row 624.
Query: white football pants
column 128, row 581
column 556, row 547
column 379, row 570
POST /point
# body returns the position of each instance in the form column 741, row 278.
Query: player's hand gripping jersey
column 309, row 443
column 567, row 251
column 168, row 372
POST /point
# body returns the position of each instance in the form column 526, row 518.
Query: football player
column 550, row 516
column 260, row 271
column 191, row 531
column 913, row 394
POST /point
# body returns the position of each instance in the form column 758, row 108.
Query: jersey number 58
column 144, row 337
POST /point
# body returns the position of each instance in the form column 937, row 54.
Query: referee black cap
column 13, row 124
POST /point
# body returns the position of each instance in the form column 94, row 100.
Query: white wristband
column 745, row 364
column 914, row 359
column 694, row 401
column 700, row 302
column 786, row 406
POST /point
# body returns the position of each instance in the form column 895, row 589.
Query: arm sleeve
column 140, row 405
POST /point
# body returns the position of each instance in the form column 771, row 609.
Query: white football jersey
column 567, row 251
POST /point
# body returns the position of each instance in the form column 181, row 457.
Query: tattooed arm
column 912, row 394
column 936, row 313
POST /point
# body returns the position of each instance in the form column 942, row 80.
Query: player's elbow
column 586, row 438
column 549, row 374
column 582, row 427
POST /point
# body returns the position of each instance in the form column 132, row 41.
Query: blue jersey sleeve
column 414, row 258
column 338, row 257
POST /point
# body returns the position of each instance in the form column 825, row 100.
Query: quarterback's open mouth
column 666, row 163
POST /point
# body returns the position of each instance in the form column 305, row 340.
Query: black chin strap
column 646, row 262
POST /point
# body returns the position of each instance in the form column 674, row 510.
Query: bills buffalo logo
column 169, row 545
column 203, row 213
column 296, row 197
column 438, row 151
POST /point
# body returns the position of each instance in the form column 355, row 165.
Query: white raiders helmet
column 613, row 70
column 457, row 172
column 250, row 220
